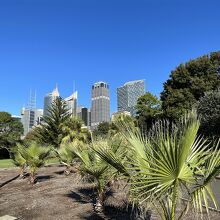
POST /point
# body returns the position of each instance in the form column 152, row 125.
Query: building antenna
column 35, row 99
column 32, row 101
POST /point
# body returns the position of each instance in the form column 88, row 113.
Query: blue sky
column 44, row 42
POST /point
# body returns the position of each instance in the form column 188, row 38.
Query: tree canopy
column 50, row 132
column 148, row 110
column 188, row 83
column 11, row 131
column 209, row 112
column 102, row 129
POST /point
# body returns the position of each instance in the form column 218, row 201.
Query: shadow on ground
column 114, row 211
column 43, row 178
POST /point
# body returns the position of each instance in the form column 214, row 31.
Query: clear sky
column 44, row 42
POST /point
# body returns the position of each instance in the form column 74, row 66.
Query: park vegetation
column 169, row 152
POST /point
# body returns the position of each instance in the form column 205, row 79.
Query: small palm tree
column 66, row 156
column 35, row 157
column 19, row 161
column 94, row 167
column 167, row 164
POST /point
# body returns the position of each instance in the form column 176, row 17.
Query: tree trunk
column 174, row 200
column 32, row 178
column 101, row 196
column 67, row 171
column 21, row 172
column 99, row 202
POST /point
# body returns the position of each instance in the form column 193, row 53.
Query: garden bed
column 57, row 197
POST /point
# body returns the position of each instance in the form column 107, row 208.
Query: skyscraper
column 30, row 115
column 100, row 109
column 82, row 113
column 71, row 102
column 49, row 98
column 128, row 94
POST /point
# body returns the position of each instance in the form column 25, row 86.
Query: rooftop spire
column 55, row 91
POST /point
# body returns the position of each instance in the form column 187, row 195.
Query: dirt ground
column 60, row 197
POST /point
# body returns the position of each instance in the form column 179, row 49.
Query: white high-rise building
column 49, row 98
column 30, row 115
column 71, row 102
column 30, row 118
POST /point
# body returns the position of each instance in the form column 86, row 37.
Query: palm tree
column 35, row 157
column 167, row 164
column 66, row 156
column 94, row 167
column 19, row 161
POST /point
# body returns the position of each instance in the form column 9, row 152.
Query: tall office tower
column 71, row 102
column 128, row 94
column 49, row 98
column 89, row 118
column 82, row 113
column 100, row 110
column 30, row 116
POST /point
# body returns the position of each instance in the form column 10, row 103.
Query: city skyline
column 88, row 41
column 56, row 93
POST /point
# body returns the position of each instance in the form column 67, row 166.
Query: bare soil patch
column 55, row 196
column 61, row 197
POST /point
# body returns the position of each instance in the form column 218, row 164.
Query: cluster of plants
column 169, row 163
column 165, row 155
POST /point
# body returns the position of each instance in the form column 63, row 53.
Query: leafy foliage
column 34, row 155
column 72, row 131
column 102, row 129
column 188, row 83
column 167, row 163
column 18, row 160
column 148, row 110
column 66, row 155
column 95, row 168
column 50, row 132
column 11, row 131
column 209, row 111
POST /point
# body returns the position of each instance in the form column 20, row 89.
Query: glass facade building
column 100, row 109
column 128, row 94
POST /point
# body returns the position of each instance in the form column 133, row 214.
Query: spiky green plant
column 35, row 157
column 97, row 169
column 72, row 131
column 167, row 164
column 66, row 156
column 20, row 162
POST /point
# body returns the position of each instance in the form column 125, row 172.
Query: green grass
column 8, row 163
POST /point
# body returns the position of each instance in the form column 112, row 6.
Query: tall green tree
column 50, row 132
column 11, row 131
column 209, row 111
column 148, row 110
column 188, row 83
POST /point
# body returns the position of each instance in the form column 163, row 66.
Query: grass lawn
column 7, row 163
